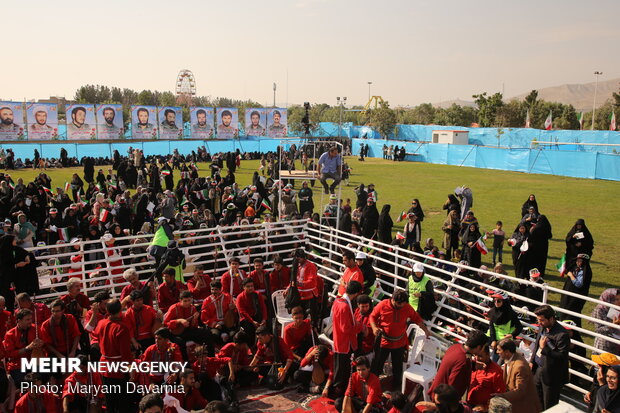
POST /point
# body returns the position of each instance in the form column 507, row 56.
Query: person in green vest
column 160, row 240
column 421, row 293
column 503, row 320
column 172, row 258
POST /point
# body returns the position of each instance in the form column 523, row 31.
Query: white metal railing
column 213, row 247
column 329, row 241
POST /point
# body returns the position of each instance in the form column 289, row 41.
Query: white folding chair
column 425, row 363
column 282, row 314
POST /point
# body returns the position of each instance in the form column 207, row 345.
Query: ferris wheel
column 186, row 86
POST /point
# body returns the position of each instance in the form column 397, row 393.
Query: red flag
column 480, row 245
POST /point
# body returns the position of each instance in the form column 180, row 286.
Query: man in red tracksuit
column 60, row 332
column 115, row 344
column 252, row 309
column 307, row 284
column 345, row 330
column 232, row 280
column 390, row 320
column 142, row 321
column 366, row 338
column 189, row 397
column 298, row 334
column 455, row 367
column 258, row 275
column 280, row 276
column 351, row 273
column 213, row 310
column 169, row 291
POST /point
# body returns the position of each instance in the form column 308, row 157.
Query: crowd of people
column 172, row 297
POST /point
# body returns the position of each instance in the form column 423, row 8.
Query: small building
column 455, row 137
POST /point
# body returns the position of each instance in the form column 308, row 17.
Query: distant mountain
column 581, row 96
column 447, row 103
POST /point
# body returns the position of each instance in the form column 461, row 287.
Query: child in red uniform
column 168, row 292
column 258, row 275
column 233, row 278
column 280, row 276
column 362, row 315
column 34, row 401
column 162, row 351
column 213, row 310
column 298, row 334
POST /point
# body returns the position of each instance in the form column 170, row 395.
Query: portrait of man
column 226, row 129
column 169, row 121
column 202, row 128
column 40, row 129
column 78, row 128
column 107, row 128
column 277, row 129
column 8, row 128
column 142, row 127
column 254, row 128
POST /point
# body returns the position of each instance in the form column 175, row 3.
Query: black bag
column 293, row 299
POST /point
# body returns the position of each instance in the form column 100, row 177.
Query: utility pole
column 340, row 103
column 369, row 83
column 597, row 74
column 274, row 94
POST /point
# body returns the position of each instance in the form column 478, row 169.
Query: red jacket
column 13, row 343
column 191, row 399
column 77, row 305
column 230, row 351
column 7, row 321
column 202, row 293
column 484, row 383
column 294, row 336
column 209, row 365
column 236, row 288
column 393, row 322
column 306, row 281
column 86, row 379
column 50, row 402
column 368, row 337
column 168, row 295
column 246, row 309
column 259, row 281
column 266, row 355
column 327, row 363
column 176, row 312
column 100, row 317
column 115, row 343
column 373, row 388
column 350, row 274
column 213, row 310
column 64, row 339
column 129, row 288
column 279, row 280
column 152, row 353
column 141, row 322
column 42, row 311
column 345, row 327
column 455, row 370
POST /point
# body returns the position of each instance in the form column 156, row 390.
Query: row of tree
column 491, row 110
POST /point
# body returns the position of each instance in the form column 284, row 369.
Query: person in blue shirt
column 330, row 164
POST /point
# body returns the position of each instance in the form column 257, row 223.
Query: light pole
column 274, row 94
column 369, row 83
column 597, row 74
column 340, row 103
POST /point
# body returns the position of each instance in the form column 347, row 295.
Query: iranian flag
column 113, row 184
column 63, row 234
column 561, row 266
column 549, row 121
column 67, row 186
column 204, row 194
column 265, row 204
column 165, row 172
column 612, row 122
column 184, row 200
column 527, row 119
column 399, row 236
column 11, row 183
column 103, row 215
column 481, row 246
column 580, row 119
column 402, row 216
column 49, row 191
column 98, row 187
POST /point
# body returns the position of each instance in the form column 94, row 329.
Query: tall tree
column 488, row 107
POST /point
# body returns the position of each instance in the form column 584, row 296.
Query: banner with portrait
column 276, row 123
column 227, row 123
column 110, row 122
column 42, row 120
column 170, row 122
column 12, row 121
column 143, row 122
column 81, row 124
column 255, row 121
column 201, row 121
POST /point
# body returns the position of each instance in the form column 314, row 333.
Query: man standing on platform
column 345, row 329
column 330, row 164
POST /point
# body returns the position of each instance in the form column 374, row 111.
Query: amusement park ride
column 185, row 87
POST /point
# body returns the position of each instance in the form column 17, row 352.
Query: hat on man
column 53, row 211
column 333, row 196
column 360, row 256
column 107, row 237
column 161, row 219
column 500, row 294
column 418, row 267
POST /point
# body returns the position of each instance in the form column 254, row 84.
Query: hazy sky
column 412, row 50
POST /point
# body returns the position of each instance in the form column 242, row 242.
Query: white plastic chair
column 282, row 315
column 427, row 357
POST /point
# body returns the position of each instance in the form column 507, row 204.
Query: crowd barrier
column 213, row 247
column 592, row 165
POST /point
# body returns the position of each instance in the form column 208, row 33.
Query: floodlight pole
column 369, row 83
column 274, row 94
column 597, row 74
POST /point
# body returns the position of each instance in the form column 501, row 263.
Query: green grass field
column 498, row 195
